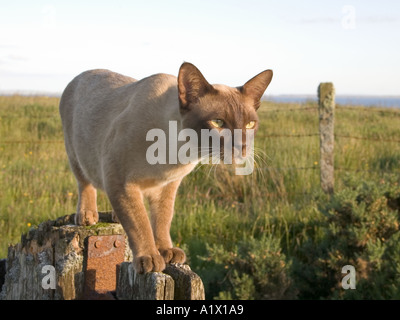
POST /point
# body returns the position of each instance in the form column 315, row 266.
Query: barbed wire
column 30, row 118
column 263, row 136
column 283, row 109
column 373, row 110
column 34, row 171
column 290, row 135
column 366, row 170
column 366, row 138
column 288, row 168
column 270, row 168
column 340, row 108
column 316, row 167
column 30, row 141
column 291, row 109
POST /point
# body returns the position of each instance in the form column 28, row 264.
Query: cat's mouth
column 235, row 156
column 242, row 159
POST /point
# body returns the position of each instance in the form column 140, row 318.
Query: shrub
column 361, row 229
column 252, row 269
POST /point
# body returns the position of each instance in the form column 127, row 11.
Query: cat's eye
column 251, row 125
column 217, row 123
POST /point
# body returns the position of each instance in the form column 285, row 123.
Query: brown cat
column 106, row 118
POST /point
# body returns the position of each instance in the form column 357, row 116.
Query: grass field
column 247, row 236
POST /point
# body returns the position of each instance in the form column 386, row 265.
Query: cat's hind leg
column 86, row 212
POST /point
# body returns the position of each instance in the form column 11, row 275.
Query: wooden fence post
column 176, row 282
column 326, row 96
column 3, row 268
column 61, row 261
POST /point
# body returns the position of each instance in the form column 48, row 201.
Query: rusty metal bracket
column 104, row 255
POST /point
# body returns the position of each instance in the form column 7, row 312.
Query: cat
column 106, row 117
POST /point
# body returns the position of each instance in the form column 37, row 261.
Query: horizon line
column 265, row 97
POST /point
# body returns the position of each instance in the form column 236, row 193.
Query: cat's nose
column 240, row 151
column 244, row 150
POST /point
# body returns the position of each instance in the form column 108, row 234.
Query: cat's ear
column 191, row 85
column 255, row 87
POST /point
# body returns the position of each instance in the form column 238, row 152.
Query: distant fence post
column 326, row 97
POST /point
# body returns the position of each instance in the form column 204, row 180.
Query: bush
column 361, row 229
column 357, row 226
column 252, row 269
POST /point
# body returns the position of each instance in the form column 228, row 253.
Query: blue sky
column 355, row 44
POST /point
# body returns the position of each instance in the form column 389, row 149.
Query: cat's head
column 219, row 107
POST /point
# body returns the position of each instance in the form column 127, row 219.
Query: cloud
column 16, row 57
column 359, row 19
column 318, row 20
column 12, row 58
column 7, row 46
column 379, row 19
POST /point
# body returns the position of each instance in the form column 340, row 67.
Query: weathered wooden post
column 61, row 261
column 176, row 282
column 2, row 272
column 55, row 261
column 326, row 96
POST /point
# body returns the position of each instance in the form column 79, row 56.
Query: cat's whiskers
column 255, row 157
column 262, row 161
column 207, row 153
column 262, row 155
column 259, row 163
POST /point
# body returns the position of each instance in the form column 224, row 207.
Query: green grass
column 214, row 207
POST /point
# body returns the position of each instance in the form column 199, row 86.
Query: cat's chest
column 163, row 175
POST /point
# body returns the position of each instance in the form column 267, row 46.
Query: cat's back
column 100, row 87
column 89, row 103
column 100, row 79
column 91, row 87
column 96, row 100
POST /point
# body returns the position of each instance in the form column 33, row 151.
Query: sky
column 354, row 43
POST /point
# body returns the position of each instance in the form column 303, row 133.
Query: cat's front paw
column 149, row 263
column 86, row 218
column 173, row 255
